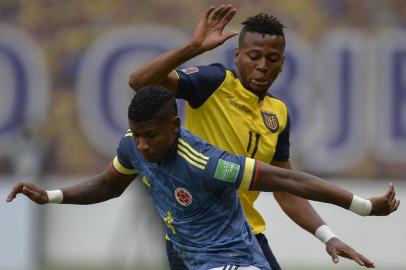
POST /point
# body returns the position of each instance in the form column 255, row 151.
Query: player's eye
column 274, row 58
column 254, row 57
column 149, row 135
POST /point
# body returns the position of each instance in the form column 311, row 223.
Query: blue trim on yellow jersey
column 283, row 145
column 197, row 87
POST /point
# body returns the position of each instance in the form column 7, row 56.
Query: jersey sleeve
column 227, row 169
column 196, row 84
column 283, row 144
column 122, row 162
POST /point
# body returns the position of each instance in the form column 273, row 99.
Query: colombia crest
column 183, row 196
column 271, row 121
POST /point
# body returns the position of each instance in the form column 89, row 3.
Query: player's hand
column 335, row 247
column 385, row 204
column 209, row 31
column 33, row 192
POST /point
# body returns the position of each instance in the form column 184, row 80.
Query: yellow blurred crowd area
column 65, row 29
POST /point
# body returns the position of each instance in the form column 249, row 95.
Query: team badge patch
column 226, row 171
column 183, row 196
column 271, row 121
column 190, row 70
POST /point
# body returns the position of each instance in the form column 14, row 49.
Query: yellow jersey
column 224, row 113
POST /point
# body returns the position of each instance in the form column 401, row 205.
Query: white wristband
column 360, row 206
column 324, row 233
column 55, row 196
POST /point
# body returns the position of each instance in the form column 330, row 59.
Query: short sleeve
column 197, row 84
column 227, row 169
column 283, row 144
column 122, row 162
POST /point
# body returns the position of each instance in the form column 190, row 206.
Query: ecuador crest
column 271, row 121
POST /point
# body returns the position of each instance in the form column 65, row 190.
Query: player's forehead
column 152, row 125
column 258, row 41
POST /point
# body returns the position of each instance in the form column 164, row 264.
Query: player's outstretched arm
column 208, row 35
column 97, row 189
column 310, row 187
column 303, row 214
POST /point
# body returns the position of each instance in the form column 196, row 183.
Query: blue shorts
column 176, row 263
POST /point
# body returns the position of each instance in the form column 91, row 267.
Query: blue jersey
column 194, row 191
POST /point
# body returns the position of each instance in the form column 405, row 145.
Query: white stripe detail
column 249, row 267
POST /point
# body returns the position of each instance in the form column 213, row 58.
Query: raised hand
column 209, row 31
column 335, row 247
column 34, row 193
column 385, row 204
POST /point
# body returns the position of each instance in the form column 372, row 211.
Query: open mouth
column 260, row 82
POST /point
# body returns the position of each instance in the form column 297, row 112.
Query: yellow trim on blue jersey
column 190, row 161
column 176, row 73
column 192, row 149
column 189, row 154
column 248, row 172
column 145, row 181
column 121, row 169
column 129, row 133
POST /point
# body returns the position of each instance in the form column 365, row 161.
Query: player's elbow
column 134, row 82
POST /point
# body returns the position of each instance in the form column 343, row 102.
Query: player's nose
column 142, row 144
column 262, row 64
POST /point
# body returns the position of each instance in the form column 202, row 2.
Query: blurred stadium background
column 64, row 67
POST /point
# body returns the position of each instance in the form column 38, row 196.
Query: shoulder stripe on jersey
column 129, row 133
column 180, row 153
column 192, row 149
column 190, row 155
column 248, row 174
column 121, row 169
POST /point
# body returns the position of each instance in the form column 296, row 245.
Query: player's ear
column 283, row 63
column 176, row 123
column 236, row 55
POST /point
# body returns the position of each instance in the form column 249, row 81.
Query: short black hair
column 262, row 23
column 149, row 102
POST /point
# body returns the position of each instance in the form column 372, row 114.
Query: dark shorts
column 175, row 263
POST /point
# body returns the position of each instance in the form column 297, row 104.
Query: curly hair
column 151, row 101
column 262, row 23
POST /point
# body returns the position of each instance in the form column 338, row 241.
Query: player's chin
column 150, row 158
column 260, row 89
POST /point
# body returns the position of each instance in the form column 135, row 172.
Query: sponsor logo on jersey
column 271, row 121
column 190, row 70
column 239, row 106
column 226, row 171
column 183, row 196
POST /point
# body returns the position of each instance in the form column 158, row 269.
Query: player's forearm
column 157, row 70
column 90, row 191
column 303, row 185
column 299, row 210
